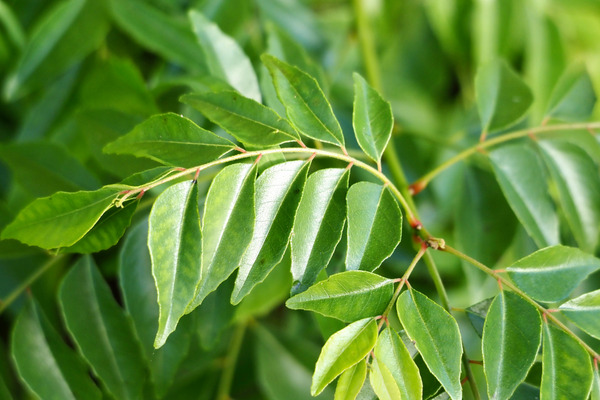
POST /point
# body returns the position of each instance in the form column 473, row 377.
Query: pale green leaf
column 172, row 140
column 278, row 192
column 383, row 383
column 576, row 177
column 595, row 395
column 61, row 219
column 101, row 331
column 305, row 104
column 436, row 336
column 245, row 119
column 511, row 338
column 318, row 225
column 573, row 98
column 224, row 57
column 502, row 96
column 351, row 381
column 372, row 119
column 520, row 173
column 48, row 366
column 552, row 273
column 374, row 226
column 175, row 244
column 347, row 296
column 566, row 367
column 227, row 226
column 342, row 350
column 391, row 352
column 584, row 311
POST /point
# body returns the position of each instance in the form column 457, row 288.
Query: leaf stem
column 422, row 182
column 507, row 283
column 230, row 362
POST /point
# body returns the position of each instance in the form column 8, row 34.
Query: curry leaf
column 573, row 97
column 383, row 383
column 351, row 381
column 584, row 311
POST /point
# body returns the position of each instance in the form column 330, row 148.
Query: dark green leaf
column 61, row 219
column 214, row 315
column 374, row 226
column 502, row 96
column 383, row 383
column 520, row 173
column 227, row 226
column 576, row 177
column 278, row 192
column 318, row 225
column 477, row 313
column 248, row 121
column 102, row 332
column 584, row 311
column 224, row 57
column 305, row 104
column 372, row 119
column 436, row 336
column 172, row 140
column 342, row 350
column 567, row 370
column 49, row 367
column 552, row 273
column 347, row 296
column 511, row 338
column 351, row 381
column 175, row 244
column 573, row 97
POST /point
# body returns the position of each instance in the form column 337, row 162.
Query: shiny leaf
column 351, row 381
column 584, row 311
column 383, row 383
column 573, row 98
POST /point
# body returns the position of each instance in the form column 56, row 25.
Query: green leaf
column 224, row 57
column 174, row 40
column 101, row 331
column 436, row 336
column 175, row 244
column 45, row 168
column 172, row 140
column 520, row 173
column 228, row 224
column 576, row 177
column 248, row 121
column 595, row 395
column 573, row 97
column 391, row 352
column 318, row 225
column 278, row 192
column 477, row 313
column 351, row 381
column 342, row 350
column 502, row 96
column 584, row 311
column 347, row 296
column 49, row 367
column 214, row 315
column 552, row 273
column 511, row 338
column 383, row 383
column 566, row 367
column 305, row 104
column 61, row 219
column 374, row 226
column 372, row 119
column 107, row 231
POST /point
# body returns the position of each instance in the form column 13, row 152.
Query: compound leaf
column 584, row 311
column 573, row 97
column 351, row 381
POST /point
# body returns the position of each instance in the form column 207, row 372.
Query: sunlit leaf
column 573, row 97
column 584, row 311
column 351, row 381
column 383, row 383
column 595, row 394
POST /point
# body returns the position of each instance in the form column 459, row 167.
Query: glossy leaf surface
column 342, row 350
column 374, row 226
column 567, row 369
column 245, row 119
column 520, row 174
column 584, row 311
column 227, row 226
column 173, row 140
column 511, row 338
column 318, row 225
column 502, row 96
column 573, row 97
column 61, row 219
column 175, row 244
column 351, row 381
column 278, row 192
column 305, row 104
column 436, row 336
column 347, row 296
column 595, row 394
column 382, row 381
column 372, row 119
column 102, row 332
column 552, row 273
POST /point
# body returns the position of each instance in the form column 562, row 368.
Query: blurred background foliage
column 77, row 74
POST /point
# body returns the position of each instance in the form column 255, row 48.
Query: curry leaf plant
column 270, row 170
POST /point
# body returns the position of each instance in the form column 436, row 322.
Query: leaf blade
column 351, row 381
column 573, row 97
column 584, row 311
